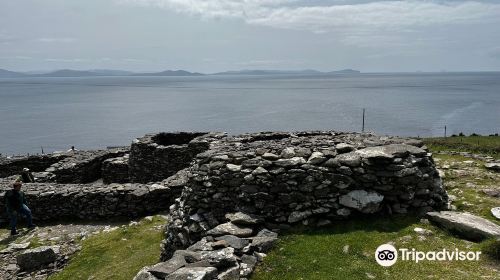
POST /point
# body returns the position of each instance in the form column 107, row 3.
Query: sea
column 53, row 114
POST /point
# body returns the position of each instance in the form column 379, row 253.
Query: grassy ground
column 119, row 254
column 319, row 254
column 488, row 145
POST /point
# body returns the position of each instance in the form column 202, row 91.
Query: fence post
column 363, row 127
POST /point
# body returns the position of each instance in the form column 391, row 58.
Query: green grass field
column 116, row 255
column 319, row 254
column 488, row 145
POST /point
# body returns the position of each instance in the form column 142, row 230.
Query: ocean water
column 95, row 112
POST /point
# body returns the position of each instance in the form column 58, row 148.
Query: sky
column 217, row 35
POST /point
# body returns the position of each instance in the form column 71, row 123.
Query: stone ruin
column 245, row 189
column 229, row 196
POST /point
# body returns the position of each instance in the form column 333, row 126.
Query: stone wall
column 54, row 202
column 36, row 163
column 311, row 178
column 158, row 156
column 115, row 170
column 81, row 167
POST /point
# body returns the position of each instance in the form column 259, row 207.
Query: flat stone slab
column 465, row 225
column 230, row 229
column 494, row 166
column 389, row 151
column 194, row 273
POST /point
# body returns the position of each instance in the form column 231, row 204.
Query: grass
column 318, row 254
column 487, row 145
column 119, row 254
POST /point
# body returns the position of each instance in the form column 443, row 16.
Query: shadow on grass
column 387, row 224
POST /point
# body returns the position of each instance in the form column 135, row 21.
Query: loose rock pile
column 228, row 251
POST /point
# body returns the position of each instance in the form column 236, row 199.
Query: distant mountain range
column 166, row 73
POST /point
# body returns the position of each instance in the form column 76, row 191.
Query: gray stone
column 240, row 218
column 290, row 162
column 247, row 265
column 494, row 166
column 266, row 233
column 297, row 216
column 144, row 274
column 465, row 225
column 37, row 258
column 230, row 229
column 263, row 244
column 351, row 159
column 234, row 241
column 161, row 270
column 270, row 156
column 316, row 158
column 193, row 273
column 232, row 273
column 220, row 258
column 344, row 147
column 363, row 201
column 390, row 151
column 496, row 212
column 233, row 167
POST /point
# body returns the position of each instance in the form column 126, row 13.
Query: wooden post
column 363, row 127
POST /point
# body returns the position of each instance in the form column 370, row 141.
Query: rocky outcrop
column 465, row 225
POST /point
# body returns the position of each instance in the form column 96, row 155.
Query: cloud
column 336, row 15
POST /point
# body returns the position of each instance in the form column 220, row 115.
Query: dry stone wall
column 311, row 178
column 53, row 202
column 158, row 156
column 36, row 163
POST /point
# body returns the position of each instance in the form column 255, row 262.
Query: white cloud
column 300, row 15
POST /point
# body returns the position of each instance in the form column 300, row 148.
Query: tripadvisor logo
column 387, row 255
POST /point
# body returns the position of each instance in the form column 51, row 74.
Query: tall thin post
column 363, row 128
column 445, row 131
column 42, row 149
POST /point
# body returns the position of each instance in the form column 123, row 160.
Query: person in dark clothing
column 27, row 176
column 15, row 202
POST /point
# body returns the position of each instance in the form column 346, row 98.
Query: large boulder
column 363, row 201
column 37, row 258
column 465, row 225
